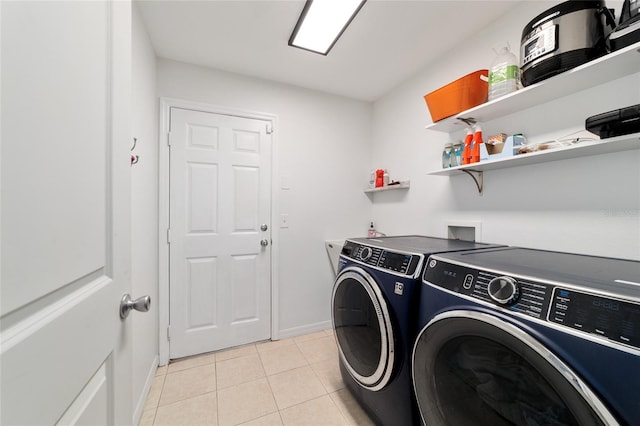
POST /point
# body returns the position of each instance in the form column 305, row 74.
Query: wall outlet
column 284, row 220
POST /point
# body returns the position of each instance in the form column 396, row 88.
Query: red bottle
column 379, row 178
column 477, row 143
column 466, row 152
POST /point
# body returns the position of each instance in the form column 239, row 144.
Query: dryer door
column 363, row 328
column 469, row 366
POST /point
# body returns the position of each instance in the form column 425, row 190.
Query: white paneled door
column 220, row 236
column 65, row 353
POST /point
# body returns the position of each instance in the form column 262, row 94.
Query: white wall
column 144, row 215
column 586, row 205
column 323, row 151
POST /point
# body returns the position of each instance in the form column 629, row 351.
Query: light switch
column 284, row 182
column 284, row 220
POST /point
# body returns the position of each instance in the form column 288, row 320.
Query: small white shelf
column 583, row 149
column 404, row 184
column 599, row 71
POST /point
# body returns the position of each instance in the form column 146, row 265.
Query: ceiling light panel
column 322, row 22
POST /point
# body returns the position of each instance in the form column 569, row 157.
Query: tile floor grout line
column 333, row 394
column 319, row 378
column 217, row 404
column 270, row 389
column 157, row 404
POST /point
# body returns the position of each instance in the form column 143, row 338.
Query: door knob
column 264, row 242
column 141, row 304
column 264, row 227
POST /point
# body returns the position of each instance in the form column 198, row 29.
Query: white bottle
column 504, row 75
column 372, row 179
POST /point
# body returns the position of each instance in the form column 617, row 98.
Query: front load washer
column 374, row 305
column 528, row 337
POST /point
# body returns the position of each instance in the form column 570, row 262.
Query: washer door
column 469, row 366
column 363, row 328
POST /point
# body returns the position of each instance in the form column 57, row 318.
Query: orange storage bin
column 460, row 95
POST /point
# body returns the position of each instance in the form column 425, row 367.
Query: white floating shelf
column 583, row 149
column 404, row 184
column 599, row 71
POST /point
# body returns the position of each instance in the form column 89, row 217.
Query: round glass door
column 363, row 328
column 469, row 366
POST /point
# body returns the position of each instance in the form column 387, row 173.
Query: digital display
column 541, row 43
column 537, row 42
column 396, row 261
column 606, row 304
column 616, row 320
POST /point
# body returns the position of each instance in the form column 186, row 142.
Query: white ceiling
column 388, row 41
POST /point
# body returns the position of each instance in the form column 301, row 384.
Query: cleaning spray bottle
column 477, row 144
column 466, row 153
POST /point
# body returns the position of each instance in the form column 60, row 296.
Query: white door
column 220, row 203
column 64, row 351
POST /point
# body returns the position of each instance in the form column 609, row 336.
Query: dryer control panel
column 607, row 317
column 401, row 263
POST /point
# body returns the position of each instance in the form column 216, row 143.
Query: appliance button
column 503, row 290
column 365, row 253
column 468, row 281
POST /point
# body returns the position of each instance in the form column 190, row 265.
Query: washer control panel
column 401, row 263
column 603, row 316
column 607, row 317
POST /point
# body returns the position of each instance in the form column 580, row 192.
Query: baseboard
column 304, row 329
column 139, row 407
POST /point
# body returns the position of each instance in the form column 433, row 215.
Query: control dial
column 504, row 290
column 365, row 253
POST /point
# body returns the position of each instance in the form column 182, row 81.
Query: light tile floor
column 292, row 381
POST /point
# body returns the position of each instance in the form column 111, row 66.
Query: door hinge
column 169, row 139
column 169, row 333
column 269, row 128
column 168, row 235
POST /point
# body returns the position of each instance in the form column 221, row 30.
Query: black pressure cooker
column 564, row 37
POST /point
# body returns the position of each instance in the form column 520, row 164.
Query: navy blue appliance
column 374, row 307
column 521, row 336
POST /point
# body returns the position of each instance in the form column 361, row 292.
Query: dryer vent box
column 464, row 231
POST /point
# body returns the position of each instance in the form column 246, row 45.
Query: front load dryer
column 374, row 305
column 516, row 336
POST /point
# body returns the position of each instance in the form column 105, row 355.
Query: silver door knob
column 264, row 242
column 264, row 227
column 141, row 304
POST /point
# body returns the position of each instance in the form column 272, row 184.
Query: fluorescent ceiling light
column 322, row 22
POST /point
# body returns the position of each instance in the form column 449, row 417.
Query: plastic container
column 385, row 178
column 504, row 75
column 460, row 95
column 371, row 232
column 447, row 151
column 372, row 179
column 456, row 155
column 379, row 178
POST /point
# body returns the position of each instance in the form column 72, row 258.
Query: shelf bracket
column 469, row 121
column 478, row 178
